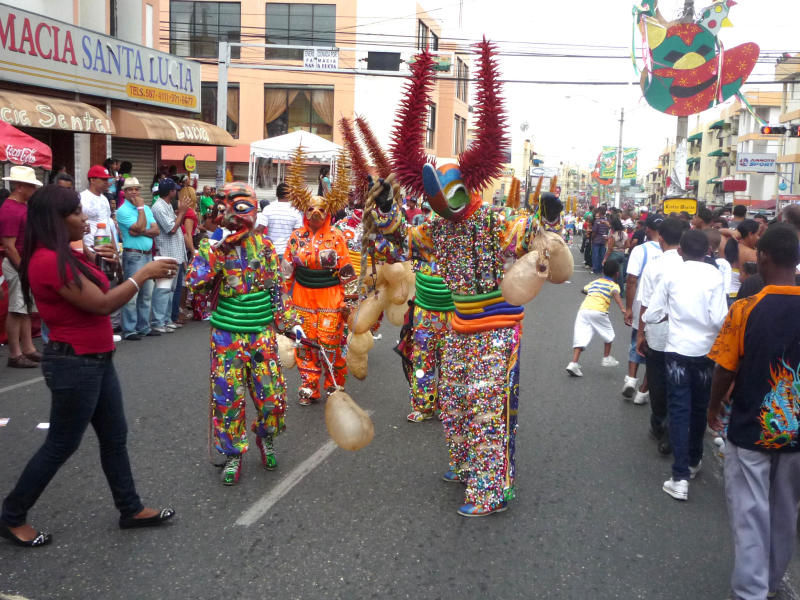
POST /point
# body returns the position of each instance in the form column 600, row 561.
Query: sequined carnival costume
column 479, row 384
column 319, row 279
column 242, row 272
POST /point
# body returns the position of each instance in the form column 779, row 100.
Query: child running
column 593, row 317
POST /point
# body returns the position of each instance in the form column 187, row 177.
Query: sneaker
column 154, row 332
column 117, row 338
column 170, row 326
column 232, row 469
column 609, row 361
column 472, row 510
column 267, row 450
column 574, row 369
column 641, row 398
column 677, row 489
column 693, row 471
column 134, row 337
column 418, row 416
column 160, row 330
column 629, row 386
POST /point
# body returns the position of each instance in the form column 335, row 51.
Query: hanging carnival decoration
column 686, row 68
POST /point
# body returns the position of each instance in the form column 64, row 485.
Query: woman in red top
column 74, row 299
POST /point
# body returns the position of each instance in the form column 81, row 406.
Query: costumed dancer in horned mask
column 320, row 278
column 479, row 383
column 243, row 276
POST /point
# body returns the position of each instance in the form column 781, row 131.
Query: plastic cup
column 165, row 283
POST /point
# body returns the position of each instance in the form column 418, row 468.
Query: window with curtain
column 208, row 101
column 462, row 83
column 434, row 41
column 196, row 28
column 430, row 130
column 289, row 109
column 299, row 25
column 459, row 134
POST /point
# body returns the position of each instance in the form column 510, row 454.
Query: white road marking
column 21, row 384
column 285, row 485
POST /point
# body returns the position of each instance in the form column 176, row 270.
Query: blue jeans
column 136, row 313
column 162, row 304
column 84, row 390
column 598, row 252
column 176, row 298
column 688, row 393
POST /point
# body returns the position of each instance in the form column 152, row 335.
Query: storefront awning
column 27, row 110
column 717, row 125
column 166, row 128
column 695, row 138
column 714, row 180
column 718, row 153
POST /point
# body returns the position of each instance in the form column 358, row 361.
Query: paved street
column 590, row 519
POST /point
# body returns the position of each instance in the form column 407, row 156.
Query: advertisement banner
column 608, row 162
column 630, row 162
column 44, row 52
column 756, row 163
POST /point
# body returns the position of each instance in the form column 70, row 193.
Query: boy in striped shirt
column 593, row 317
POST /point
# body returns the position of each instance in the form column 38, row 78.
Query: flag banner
column 608, row 162
column 630, row 160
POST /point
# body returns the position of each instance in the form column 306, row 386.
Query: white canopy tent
column 281, row 148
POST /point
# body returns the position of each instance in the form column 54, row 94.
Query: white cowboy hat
column 23, row 175
column 131, row 182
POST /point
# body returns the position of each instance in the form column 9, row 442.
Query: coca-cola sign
column 20, row 155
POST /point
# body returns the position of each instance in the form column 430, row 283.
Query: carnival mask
column 447, row 193
column 238, row 210
column 316, row 213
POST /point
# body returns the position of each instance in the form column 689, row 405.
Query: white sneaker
column 609, row 361
column 693, row 471
column 641, row 398
column 160, row 329
column 574, row 369
column 629, row 386
column 677, row 489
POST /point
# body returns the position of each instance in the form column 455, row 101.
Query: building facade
column 787, row 71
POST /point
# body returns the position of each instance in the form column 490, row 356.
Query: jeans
column 657, row 385
column 84, row 390
column 688, row 393
column 598, row 252
column 176, row 298
column 162, row 304
column 136, row 313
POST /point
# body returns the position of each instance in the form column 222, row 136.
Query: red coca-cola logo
column 23, row 156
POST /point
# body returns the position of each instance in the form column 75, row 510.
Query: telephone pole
column 618, row 191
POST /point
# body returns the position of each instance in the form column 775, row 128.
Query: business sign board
column 678, row 205
column 44, row 52
column 756, row 163
column 316, row 59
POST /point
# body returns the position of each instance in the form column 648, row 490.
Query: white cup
column 165, row 283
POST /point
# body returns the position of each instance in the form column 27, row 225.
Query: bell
column 396, row 313
column 348, row 424
column 360, row 343
column 286, row 351
column 523, row 281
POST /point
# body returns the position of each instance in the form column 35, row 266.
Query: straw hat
column 22, row 174
column 131, row 182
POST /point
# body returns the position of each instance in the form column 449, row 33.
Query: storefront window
column 208, row 101
column 299, row 25
column 196, row 28
column 291, row 109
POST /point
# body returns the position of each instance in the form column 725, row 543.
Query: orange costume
column 320, row 280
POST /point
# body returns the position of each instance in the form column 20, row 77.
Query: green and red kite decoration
column 686, row 69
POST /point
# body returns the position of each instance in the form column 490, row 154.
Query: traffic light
column 773, row 130
column 794, row 131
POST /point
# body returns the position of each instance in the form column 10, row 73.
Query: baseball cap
column 653, row 221
column 166, row 186
column 98, row 172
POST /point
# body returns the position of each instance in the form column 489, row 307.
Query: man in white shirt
column 96, row 206
column 279, row 219
column 651, row 338
column 692, row 298
column 639, row 257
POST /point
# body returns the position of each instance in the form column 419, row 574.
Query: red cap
column 98, row 171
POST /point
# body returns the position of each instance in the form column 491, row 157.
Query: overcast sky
column 572, row 123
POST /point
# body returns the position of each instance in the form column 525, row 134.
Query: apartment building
column 368, row 60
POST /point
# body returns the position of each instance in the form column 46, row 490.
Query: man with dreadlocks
column 319, row 278
column 479, row 383
column 242, row 274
